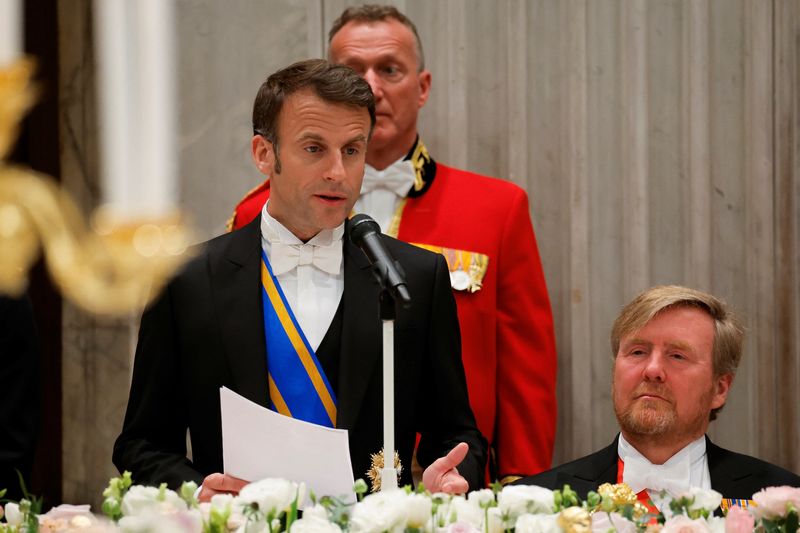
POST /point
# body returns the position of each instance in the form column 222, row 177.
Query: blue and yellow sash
column 298, row 386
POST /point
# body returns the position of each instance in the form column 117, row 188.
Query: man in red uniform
column 480, row 224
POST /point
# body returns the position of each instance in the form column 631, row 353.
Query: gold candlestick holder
column 108, row 266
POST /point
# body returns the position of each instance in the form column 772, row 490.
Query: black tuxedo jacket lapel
column 361, row 334
column 595, row 469
column 734, row 475
column 236, row 287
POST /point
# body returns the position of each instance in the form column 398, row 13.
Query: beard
column 650, row 417
column 647, row 417
column 658, row 417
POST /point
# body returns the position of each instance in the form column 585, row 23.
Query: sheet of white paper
column 258, row 443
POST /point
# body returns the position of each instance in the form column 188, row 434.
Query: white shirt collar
column 685, row 469
column 695, row 451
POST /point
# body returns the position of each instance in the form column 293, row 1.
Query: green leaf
column 770, row 526
column 792, row 522
column 112, row 509
column 292, row 516
column 360, row 488
column 162, row 492
column 557, row 499
column 187, row 490
column 627, row 511
column 496, row 487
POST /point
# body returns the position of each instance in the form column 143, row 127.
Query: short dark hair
column 336, row 84
column 377, row 13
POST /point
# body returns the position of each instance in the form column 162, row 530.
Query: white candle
column 10, row 31
column 115, row 69
column 388, row 474
column 138, row 109
column 157, row 105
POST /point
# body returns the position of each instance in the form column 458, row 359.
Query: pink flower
column 461, row 527
column 602, row 522
column 773, row 502
column 684, row 524
column 739, row 520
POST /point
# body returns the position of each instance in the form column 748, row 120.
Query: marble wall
column 658, row 141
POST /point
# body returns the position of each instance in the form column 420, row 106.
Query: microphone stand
column 365, row 233
column 388, row 315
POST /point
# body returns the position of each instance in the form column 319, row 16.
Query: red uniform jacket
column 508, row 344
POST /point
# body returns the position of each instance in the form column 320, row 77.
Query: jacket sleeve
column 152, row 445
column 447, row 415
column 526, row 352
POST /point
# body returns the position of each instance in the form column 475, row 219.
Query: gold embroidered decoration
column 467, row 269
column 394, row 225
column 419, row 159
column 374, row 472
column 509, row 479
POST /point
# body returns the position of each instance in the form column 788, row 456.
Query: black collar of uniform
column 424, row 168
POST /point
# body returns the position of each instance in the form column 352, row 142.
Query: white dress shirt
column 382, row 191
column 312, row 294
column 687, row 468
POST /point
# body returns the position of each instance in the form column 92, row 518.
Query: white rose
column 316, row 511
column 314, row 525
column 481, row 497
column 253, row 526
column 418, row 510
column 135, row 523
column 382, row 511
column 603, row 522
column 140, row 499
column 684, row 524
column 272, row 495
column 704, row 499
column 515, row 500
column 221, row 502
column 445, row 510
column 495, row 525
column 467, row 512
column 13, row 514
column 716, row 524
column 538, row 523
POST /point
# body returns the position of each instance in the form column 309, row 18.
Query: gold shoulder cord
column 418, row 160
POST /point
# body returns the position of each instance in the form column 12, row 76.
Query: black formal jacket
column 733, row 475
column 206, row 330
column 21, row 395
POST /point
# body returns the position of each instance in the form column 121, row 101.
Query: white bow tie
column 640, row 475
column 398, row 178
column 287, row 257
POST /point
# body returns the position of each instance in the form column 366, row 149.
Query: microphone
column 365, row 233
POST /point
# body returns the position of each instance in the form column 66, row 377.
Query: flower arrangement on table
column 271, row 506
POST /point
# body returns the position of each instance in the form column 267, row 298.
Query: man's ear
column 263, row 153
column 424, row 78
column 722, row 385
